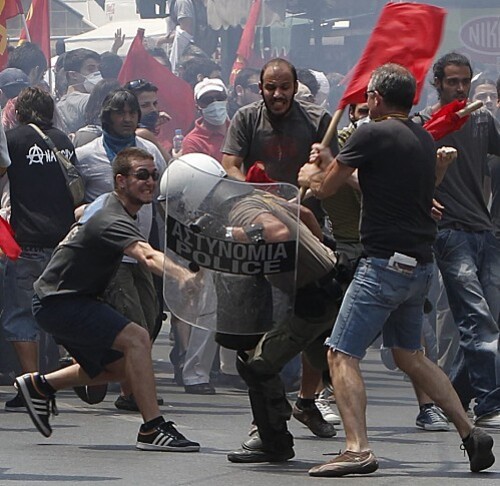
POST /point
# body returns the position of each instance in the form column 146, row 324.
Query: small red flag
column 257, row 173
column 175, row 96
column 8, row 244
column 406, row 33
column 244, row 52
column 38, row 23
column 8, row 9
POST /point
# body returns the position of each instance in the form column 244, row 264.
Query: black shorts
column 85, row 326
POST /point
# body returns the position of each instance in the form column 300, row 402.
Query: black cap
column 13, row 77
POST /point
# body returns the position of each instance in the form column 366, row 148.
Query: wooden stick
column 331, row 132
column 468, row 109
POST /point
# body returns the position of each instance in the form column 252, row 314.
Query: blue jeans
column 470, row 265
column 380, row 299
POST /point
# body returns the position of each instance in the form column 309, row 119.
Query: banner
column 8, row 9
column 38, row 25
column 406, row 33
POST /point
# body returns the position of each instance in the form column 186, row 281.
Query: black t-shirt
column 396, row 162
column 87, row 259
column 41, row 205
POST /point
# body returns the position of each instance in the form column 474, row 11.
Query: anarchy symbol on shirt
column 35, row 155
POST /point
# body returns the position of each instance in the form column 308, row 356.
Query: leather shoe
column 312, row 418
column 200, row 389
column 256, row 456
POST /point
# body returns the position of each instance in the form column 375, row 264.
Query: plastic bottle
column 177, row 140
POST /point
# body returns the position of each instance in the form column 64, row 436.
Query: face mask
column 215, row 113
column 149, row 121
column 91, row 80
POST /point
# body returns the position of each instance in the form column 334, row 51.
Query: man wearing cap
column 210, row 129
column 12, row 81
column 206, row 137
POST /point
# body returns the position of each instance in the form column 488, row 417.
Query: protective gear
column 149, row 120
column 91, row 80
column 215, row 113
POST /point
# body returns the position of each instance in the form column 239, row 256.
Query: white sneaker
column 492, row 420
column 326, row 410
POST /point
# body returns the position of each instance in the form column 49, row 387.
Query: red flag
column 406, row 33
column 8, row 244
column 450, row 117
column 244, row 52
column 38, row 23
column 175, row 96
column 257, row 173
column 8, row 9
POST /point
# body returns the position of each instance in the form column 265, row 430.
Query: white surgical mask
column 91, row 80
column 215, row 113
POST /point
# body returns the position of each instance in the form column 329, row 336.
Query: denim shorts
column 382, row 300
column 17, row 319
column 85, row 326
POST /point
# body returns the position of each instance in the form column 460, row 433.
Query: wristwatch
column 255, row 233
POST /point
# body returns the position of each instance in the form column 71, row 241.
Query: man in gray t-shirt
column 467, row 253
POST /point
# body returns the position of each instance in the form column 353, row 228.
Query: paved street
column 95, row 444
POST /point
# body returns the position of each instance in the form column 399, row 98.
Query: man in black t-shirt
column 68, row 304
column 397, row 173
column 41, row 214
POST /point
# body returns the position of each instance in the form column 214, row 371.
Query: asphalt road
column 95, row 444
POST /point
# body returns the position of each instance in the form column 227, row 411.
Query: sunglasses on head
column 144, row 174
column 136, row 83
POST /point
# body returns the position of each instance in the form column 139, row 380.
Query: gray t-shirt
column 71, row 108
column 461, row 192
column 283, row 144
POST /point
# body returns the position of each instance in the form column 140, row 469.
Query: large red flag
column 8, row 9
column 38, row 23
column 175, row 96
column 244, row 52
column 406, row 33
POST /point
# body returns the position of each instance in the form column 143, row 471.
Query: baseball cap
column 207, row 85
column 13, row 77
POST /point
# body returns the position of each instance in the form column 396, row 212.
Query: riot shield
column 240, row 283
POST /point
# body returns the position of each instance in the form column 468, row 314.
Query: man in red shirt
column 210, row 129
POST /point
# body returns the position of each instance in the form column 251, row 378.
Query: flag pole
column 25, row 26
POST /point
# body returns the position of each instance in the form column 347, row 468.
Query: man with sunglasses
column 68, row 304
column 131, row 291
column 245, row 90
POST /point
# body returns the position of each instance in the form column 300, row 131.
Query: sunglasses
column 206, row 100
column 136, row 84
column 144, row 175
column 254, row 88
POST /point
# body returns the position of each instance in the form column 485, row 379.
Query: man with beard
column 467, row 252
column 277, row 132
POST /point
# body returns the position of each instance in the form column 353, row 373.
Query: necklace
column 397, row 116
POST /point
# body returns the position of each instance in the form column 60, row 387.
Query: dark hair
column 498, row 87
column 26, row 57
column 482, row 78
column 138, row 86
column 395, row 84
column 243, row 76
column 306, row 77
column 110, row 66
column 198, row 66
column 74, row 59
column 276, row 62
column 159, row 52
column 116, row 101
column 60, row 47
column 96, row 100
column 451, row 58
column 34, row 105
column 123, row 160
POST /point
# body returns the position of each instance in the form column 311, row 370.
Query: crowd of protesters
column 419, row 237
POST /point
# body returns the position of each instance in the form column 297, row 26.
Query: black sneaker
column 39, row 406
column 311, row 417
column 15, row 404
column 165, row 437
column 128, row 403
column 479, row 447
